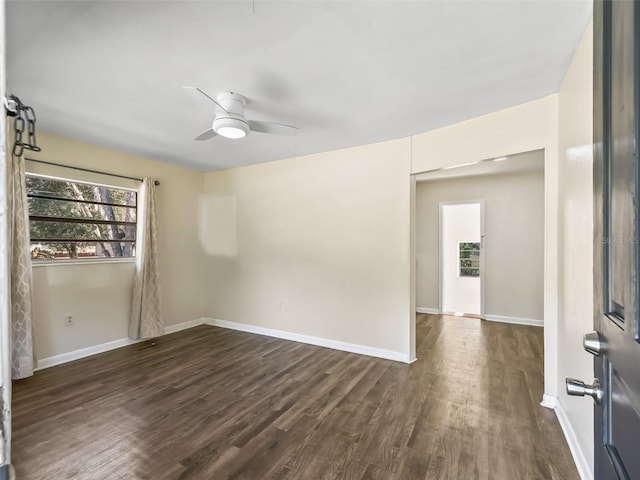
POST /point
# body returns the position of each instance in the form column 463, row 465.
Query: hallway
column 486, row 395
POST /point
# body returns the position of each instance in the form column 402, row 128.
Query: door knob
column 592, row 343
column 579, row 388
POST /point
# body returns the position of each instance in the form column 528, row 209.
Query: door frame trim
column 482, row 256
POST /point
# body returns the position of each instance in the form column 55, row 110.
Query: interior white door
column 460, row 257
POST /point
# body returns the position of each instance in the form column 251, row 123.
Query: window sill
column 93, row 261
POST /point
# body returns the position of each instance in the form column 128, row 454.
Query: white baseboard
column 584, row 468
column 183, row 325
column 549, row 401
column 432, row 311
column 516, row 320
column 321, row 342
column 492, row 318
column 105, row 347
column 82, row 353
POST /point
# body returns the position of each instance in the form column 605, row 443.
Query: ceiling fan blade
column 206, row 135
column 197, row 92
column 271, row 127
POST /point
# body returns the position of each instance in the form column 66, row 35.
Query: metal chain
column 31, row 125
column 24, row 116
column 18, row 128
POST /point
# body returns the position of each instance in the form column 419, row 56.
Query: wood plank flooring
column 209, row 403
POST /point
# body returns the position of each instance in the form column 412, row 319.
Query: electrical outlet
column 68, row 319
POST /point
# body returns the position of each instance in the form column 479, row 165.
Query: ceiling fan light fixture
column 232, row 132
column 230, row 127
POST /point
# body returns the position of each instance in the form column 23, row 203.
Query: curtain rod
column 88, row 170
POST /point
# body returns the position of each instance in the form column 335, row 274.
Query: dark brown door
column 616, row 246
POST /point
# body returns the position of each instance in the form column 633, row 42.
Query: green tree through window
column 469, row 259
column 73, row 220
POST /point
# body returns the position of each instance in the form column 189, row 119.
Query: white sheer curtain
column 146, row 320
column 22, row 357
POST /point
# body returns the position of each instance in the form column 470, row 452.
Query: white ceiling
column 522, row 162
column 345, row 73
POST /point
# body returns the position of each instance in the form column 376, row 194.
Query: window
column 469, row 259
column 78, row 220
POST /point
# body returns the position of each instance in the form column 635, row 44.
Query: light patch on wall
column 218, row 229
column 580, row 153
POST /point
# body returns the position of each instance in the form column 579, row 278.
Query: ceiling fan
column 229, row 118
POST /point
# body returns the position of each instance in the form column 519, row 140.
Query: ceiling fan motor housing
column 230, row 124
column 232, row 102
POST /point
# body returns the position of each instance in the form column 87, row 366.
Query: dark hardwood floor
column 209, row 403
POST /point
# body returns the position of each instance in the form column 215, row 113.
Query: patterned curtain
column 22, row 355
column 145, row 320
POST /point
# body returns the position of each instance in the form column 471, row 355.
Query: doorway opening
column 513, row 238
column 460, row 258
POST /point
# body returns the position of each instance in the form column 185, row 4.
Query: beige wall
column 523, row 128
column 98, row 295
column 514, row 243
column 576, row 239
column 317, row 245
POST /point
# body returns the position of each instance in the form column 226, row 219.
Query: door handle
column 580, row 389
column 592, row 343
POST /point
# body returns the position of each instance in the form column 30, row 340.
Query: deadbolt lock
column 593, row 343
